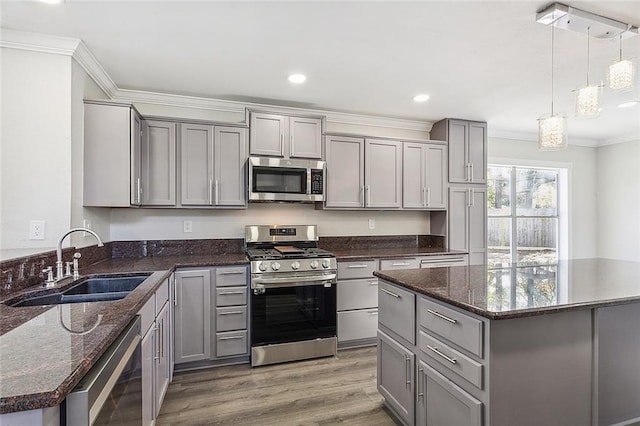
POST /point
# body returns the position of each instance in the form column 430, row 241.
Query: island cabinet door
column 396, row 377
column 439, row 402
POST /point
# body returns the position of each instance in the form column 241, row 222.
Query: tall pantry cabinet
column 467, row 215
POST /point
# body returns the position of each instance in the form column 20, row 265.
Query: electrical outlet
column 86, row 224
column 37, row 230
column 372, row 224
column 187, row 226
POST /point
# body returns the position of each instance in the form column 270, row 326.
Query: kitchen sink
column 90, row 289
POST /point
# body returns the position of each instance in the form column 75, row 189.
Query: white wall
column 151, row 224
column 618, row 207
column 36, row 147
column 581, row 161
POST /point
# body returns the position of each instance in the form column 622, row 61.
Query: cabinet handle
column 405, row 368
column 471, row 172
column 175, row 293
column 439, row 315
column 230, row 337
column 397, row 296
column 436, row 351
column 468, row 171
column 230, row 272
column 210, row 191
column 374, row 282
column 368, row 196
column 420, row 393
column 230, row 292
column 281, row 143
column 470, row 195
column 424, row 196
column 162, row 338
column 290, row 144
column 138, row 191
column 231, row 313
column 407, row 375
column 428, row 197
column 357, row 266
column 362, row 192
column 401, row 264
column 444, row 262
column 156, row 329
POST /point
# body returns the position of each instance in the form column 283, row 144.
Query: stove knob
column 325, row 263
column 295, row 265
column 262, row 266
column 275, row 266
column 314, row 264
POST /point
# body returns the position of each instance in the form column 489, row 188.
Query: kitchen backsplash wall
column 159, row 224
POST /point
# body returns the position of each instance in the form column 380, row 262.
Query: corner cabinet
column 212, row 165
column 424, row 174
column 467, row 149
column 285, row 136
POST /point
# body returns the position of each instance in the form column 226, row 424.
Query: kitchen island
column 529, row 345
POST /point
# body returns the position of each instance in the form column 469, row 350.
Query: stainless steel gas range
column 293, row 294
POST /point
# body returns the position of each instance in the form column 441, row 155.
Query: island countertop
column 520, row 291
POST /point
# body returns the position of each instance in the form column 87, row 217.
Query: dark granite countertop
column 41, row 362
column 391, row 253
column 513, row 292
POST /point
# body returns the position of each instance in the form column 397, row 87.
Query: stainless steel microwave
column 279, row 179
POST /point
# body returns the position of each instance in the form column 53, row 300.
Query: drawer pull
column 407, row 375
column 451, row 360
column 225, row 293
column 397, row 296
column 401, row 264
column 357, row 266
column 451, row 260
column 230, row 272
column 439, row 315
column 231, row 338
column 420, row 393
column 230, row 313
column 374, row 282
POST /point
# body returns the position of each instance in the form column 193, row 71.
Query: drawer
column 230, row 296
column 232, row 318
column 458, row 328
column 391, row 264
column 147, row 315
column 441, row 261
column 451, row 359
column 354, row 325
column 397, row 310
column 357, row 294
column 231, row 343
column 359, row 269
column 230, row 276
column 162, row 296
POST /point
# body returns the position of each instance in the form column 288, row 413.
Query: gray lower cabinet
column 440, row 402
column 192, row 310
column 424, row 176
column 467, row 227
column 395, row 377
column 158, row 185
column 148, row 360
column 212, row 165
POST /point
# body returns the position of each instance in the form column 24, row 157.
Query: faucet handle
column 67, row 269
column 50, row 282
column 76, row 271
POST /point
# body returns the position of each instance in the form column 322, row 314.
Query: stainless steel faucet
column 59, row 264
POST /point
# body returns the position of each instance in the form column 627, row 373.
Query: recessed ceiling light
column 628, row 104
column 297, row 78
column 420, row 98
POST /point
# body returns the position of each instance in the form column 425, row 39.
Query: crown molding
column 90, row 64
column 36, row 42
column 631, row 137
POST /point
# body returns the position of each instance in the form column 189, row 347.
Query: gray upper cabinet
column 345, row 172
column 212, row 163
column 423, row 176
column 277, row 135
column 383, row 173
column 112, row 143
column 158, row 163
column 467, row 149
column 467, row 221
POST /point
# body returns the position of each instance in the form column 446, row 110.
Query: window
column 523, row 220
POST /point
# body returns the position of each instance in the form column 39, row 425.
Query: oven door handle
column 292, row 281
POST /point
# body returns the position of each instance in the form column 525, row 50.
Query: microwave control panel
column 317, row 181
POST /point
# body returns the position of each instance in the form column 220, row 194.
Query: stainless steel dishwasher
column 111, row 392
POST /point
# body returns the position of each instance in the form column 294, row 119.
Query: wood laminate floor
column 326, row 391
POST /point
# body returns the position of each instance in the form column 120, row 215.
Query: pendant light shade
column 621, row 73
column 588, row 96
column 552, row 128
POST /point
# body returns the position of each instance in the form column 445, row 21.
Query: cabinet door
column 267, row 134
column 162, row 353
column 440, row 402
column 395, row 377
column 413, row 176
column 159, row 163
column 457, row 138
column 193, row 316
column 136, row 158
column 148, row 379
column 345, row 172
column 305, row 137
column 230, row 163
column 478, row 226
column 476, row 152
column 196, row 160
column 383, row 173
column 458, row 228
column 435, row 176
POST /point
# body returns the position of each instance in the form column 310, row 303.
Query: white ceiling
column 478, row 60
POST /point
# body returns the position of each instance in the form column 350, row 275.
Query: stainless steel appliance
column 279, row 179
column 293, row 294
column 111, row 392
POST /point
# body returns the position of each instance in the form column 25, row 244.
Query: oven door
column 292, row 309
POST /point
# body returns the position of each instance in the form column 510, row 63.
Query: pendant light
column 621, row 73
column 552, row 128
column 588, row 97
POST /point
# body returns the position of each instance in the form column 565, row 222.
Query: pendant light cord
column 588, row 45
column 621, row 46
column 552, row 45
